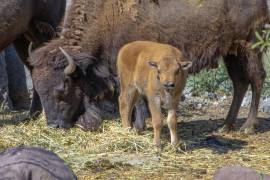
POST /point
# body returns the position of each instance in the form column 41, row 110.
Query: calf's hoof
column 157, row 144
column 127, row 128
column 175, row 143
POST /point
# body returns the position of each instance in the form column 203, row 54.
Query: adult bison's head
column 70, row 85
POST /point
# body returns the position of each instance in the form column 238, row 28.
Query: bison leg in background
column 256, row 75
column 140, row 113
column 21, row 45
column 5, row 102
column 18, row 91
column 236, row 68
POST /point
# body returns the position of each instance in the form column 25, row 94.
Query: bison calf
column 156, row 71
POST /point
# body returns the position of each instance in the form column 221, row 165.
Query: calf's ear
column 185, row 65
column 152, row 63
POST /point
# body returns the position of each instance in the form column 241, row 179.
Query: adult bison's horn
column 70, row 69
column 30, row 48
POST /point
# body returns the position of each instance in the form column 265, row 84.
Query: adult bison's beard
column 95, row 112
column 91, row 119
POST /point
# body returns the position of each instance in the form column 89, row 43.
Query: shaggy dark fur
column 239, row 173
column 203, row 30
column 30, row 163
column 24, row 21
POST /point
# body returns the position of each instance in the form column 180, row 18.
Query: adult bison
column 25, row 21
column 95, row 30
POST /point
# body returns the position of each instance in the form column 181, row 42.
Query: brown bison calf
column 156, row 71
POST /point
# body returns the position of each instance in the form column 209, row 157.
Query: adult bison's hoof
column 226, row 128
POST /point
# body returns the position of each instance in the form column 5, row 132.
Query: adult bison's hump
column 203, row 30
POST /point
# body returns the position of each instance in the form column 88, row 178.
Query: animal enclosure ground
column 113, row 153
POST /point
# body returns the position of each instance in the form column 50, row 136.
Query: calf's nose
column 169, row 85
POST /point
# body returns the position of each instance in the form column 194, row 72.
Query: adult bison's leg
column 18, row 91
column 256, row 75
column 21, row 45
column 140, row 114
column 236, row 67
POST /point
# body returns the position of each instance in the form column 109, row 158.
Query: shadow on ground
column 200, row 134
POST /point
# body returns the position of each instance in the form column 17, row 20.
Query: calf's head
column 68, row 85
column 170, row 70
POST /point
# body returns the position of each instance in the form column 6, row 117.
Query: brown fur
column 149, row 69
column 202, row 30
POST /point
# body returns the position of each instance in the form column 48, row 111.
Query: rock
column 216, row 103
column 223, row 98
column 265, row 105
column 247, row 99
column 210, row 95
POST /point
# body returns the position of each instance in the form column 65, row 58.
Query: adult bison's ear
column 84, row 61
column 152, row 64
column 185, row 65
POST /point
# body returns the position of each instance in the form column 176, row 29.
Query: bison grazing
column 94, row 31
column 25, row 21
column 157, row 71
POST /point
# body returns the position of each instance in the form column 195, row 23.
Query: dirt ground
column 113, row 153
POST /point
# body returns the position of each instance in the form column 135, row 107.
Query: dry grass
column 114, row 153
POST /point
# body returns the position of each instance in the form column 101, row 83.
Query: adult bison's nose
column 169, row 85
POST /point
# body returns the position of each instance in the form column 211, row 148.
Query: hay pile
column 114, row 153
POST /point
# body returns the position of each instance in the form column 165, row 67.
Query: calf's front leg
column 172, row 124
column 155, row 109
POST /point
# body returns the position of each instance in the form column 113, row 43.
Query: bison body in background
column 94, row 31
column 239, row 173
column 26, row 163
column 25, row 21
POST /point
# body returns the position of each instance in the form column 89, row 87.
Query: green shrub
column 218, row 81
column 210, row 81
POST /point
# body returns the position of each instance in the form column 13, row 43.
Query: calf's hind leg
column 127, row 100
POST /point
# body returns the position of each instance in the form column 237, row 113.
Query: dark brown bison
column 94, row 31
column 25, row 21
column 239, row 173
column 29, row 163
